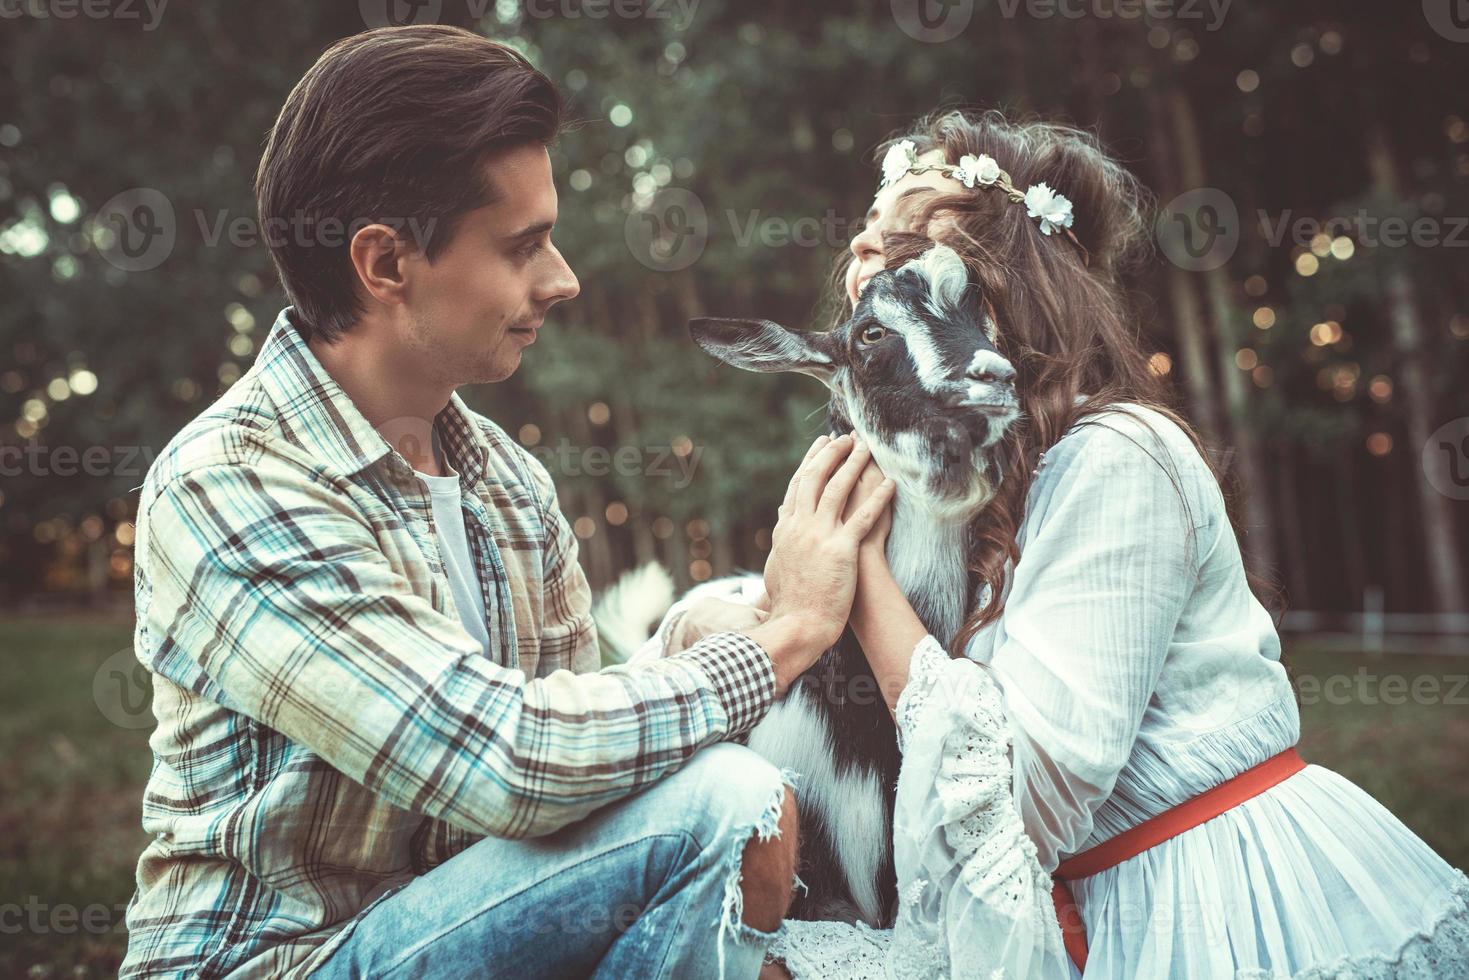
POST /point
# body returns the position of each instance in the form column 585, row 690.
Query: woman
column 1117, row 664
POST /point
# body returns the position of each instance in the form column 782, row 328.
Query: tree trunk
column 1190, row 330
column 1297, row 568
column 1259, row 537
column 1436, row 524
column 1349, row 524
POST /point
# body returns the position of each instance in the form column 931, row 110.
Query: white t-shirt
column 454, row 551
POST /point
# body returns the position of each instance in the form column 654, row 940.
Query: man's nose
column 562, row 283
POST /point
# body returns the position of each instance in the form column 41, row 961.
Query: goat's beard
column 951, row 463
column 963, row 472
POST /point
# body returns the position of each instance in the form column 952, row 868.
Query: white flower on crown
column 901, row 157
column 977, row 169
column 1053, row 209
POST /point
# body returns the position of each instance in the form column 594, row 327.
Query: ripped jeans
column 646, row 887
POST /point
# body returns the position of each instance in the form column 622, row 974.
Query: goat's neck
column 927, row 554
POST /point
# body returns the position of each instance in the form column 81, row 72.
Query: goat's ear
column 759, row 345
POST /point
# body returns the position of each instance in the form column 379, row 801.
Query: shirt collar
column 319, row 415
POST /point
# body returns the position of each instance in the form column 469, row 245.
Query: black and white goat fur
column 915, row 372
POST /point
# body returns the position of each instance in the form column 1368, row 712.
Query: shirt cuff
column 742, row 674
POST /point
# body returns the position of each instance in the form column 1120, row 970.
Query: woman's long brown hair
column 1061, row 309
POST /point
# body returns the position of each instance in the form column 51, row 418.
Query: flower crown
column 1041, row 202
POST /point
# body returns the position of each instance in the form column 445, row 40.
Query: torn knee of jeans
column 765, row 826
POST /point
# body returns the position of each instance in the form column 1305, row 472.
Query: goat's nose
column 990, row 367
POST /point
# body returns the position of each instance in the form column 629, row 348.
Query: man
column 383, row 746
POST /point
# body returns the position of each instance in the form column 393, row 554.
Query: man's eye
column 871, row 335
column 532, row 250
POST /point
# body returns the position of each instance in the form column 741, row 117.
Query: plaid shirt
column 327, row 729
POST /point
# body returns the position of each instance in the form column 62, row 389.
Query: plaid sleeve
column 272, row 584
column 568, row 633
column 740, row 671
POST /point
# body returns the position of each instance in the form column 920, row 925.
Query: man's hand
column 811, row 574
column 708, row 616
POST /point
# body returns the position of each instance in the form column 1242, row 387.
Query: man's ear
column 377, row 254
column 759, row 345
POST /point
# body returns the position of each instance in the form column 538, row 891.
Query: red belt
column 1155, row 830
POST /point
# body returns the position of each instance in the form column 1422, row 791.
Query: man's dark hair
column 390, row 126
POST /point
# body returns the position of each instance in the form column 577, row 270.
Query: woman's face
column 887, row 214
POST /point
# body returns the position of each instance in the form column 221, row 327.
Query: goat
column 915, row 372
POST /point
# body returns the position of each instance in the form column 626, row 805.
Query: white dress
column 1131, row 670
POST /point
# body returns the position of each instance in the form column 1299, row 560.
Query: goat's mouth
column 995, row 402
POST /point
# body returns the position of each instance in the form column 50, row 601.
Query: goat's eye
column 871, row 335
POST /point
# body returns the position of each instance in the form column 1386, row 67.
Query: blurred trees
column 719, row 167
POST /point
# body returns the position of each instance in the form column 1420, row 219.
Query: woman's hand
column 811, row 573
column 874, row 546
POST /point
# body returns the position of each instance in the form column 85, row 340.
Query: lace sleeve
column 831, row 950
column 974, row 900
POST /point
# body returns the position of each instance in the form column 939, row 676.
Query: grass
column 71, row 777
